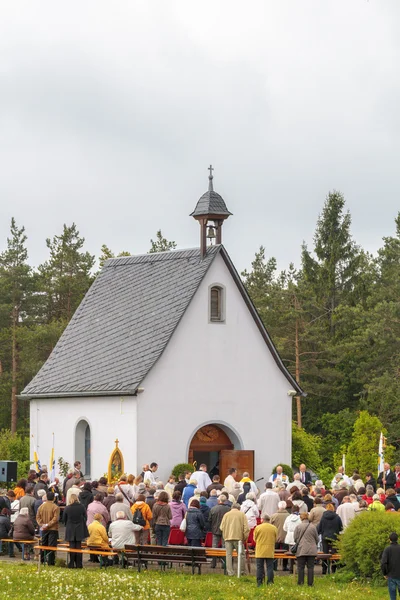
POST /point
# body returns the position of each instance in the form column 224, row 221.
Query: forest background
column 335, row 322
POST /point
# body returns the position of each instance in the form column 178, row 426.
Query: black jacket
column 180, row 486
column 330, row 525
column 390, row 479
column 5, row 526
column 74, row 519
column 394, row 501
column 216, row 515
column 85, row 498
column 372, row 482
column 195, row 524
column 390, row 561
column 309, row 502
column 307, row 478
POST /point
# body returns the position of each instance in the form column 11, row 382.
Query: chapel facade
column 167, row 354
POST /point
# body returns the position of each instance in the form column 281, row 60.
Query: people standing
column 202, row 478
column 390, row 565
column 178, row 509
column 142, row 515
column 161, row 519
column 150, row 474
column 230, row 480
column 195, row 524
column 74, row 519
column 188, row 492
column 47, row 517
column 268, row 501
column 306, row 538
column 235, row 529
column 329, row 528
column 215, row 518
column 278, row 519
column 97, row 506
column 265, row 536
column 387, row 477
column 249, row 508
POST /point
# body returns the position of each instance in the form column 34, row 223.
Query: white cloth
column 123, row 532
column 275, row 478
column 249, row 508
column 150, row 476
column 14, row 510
column 344, row 478
column 346, row 512
column 229, row 483
column 289, row 526
column 268, row 503
column 203, row 480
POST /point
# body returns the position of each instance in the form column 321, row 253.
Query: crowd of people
column 298, row 516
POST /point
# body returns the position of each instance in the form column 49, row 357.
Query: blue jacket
column 188, row 492
column 195, row 526
column 212, row 501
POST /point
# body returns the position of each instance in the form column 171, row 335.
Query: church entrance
column 218, row 448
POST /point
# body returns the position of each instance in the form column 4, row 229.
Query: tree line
column 335, row 321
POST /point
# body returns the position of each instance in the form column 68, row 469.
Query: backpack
column 138, row 518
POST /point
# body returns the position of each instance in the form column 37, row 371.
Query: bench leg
column 329, row 566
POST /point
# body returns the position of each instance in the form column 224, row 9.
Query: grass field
column 23, row 582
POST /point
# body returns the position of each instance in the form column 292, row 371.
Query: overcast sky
column 111, row 112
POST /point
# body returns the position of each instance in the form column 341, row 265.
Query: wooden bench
column 23, row 544
column 166, row 554
column 63, row 548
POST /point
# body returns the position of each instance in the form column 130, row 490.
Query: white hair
column 41, row 493
column 251, row 496
column 282, row 504
column 296, row 477
column 319, row 483
column 245, row 474
column 120, row 514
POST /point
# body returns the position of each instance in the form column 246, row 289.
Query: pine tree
column 66, row 276
column 161, row 244
column 16, row 287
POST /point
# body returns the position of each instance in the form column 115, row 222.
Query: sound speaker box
column 8, row 470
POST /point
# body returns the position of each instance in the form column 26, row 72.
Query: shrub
column 286, row 470
column 364, row 540
column 181, row 468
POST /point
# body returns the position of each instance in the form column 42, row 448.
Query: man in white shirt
column 268, row 501
column 279, row 476
column 202, row 478
column 297, row 482
column 122, row 531
column 346, row 511
column 343, row 477
column 150, row 474
column 230, row 480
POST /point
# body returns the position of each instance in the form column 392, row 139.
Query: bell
column 211, row 233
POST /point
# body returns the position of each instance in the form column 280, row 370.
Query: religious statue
column 115, row 464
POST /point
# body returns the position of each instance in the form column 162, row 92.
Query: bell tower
column 210, row 212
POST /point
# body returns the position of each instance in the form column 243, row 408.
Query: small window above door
column 217, row 304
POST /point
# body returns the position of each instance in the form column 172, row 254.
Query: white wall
column 109, row 418
column 213, row 372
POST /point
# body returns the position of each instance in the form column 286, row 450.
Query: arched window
column 83, row 446
column 217, row 304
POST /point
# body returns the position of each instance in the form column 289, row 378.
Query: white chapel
column 168, row 354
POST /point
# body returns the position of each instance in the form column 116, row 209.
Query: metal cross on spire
column 210, row 178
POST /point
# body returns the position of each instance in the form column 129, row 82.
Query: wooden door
column 242, row 460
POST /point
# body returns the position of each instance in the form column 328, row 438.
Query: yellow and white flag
column 35, row 457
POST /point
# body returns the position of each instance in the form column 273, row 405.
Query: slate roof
column 210, row 203
column 125, row 322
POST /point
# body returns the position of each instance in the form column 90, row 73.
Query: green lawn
column 23, row 581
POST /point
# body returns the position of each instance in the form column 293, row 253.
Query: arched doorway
column 219, row 448
column 83, row 445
